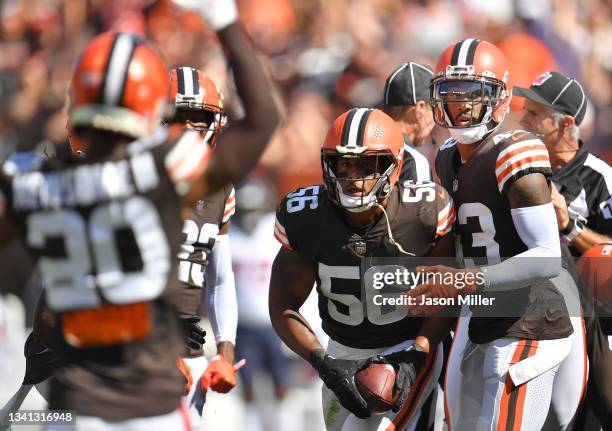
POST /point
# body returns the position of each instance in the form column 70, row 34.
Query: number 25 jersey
column 308, row 223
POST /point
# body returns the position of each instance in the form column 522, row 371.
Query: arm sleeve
column 537, row 228
column 220, row 292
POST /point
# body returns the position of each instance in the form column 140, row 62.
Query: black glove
column 407, row 364
column 339, row 376
column 194, row 334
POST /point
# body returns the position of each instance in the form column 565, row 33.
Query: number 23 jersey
column 308, row 223
column 487, row 233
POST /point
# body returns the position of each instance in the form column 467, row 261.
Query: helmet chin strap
column 469, row 135
column 358, row 204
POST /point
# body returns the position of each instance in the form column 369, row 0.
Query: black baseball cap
column 408, row 84
column 558, row 92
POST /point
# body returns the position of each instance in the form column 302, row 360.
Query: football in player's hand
column 375, row 384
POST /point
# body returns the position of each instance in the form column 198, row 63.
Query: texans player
column 508, row 359
column 205, row 257
column 325, row 230
column 105, row 227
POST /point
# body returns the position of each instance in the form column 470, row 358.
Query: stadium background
column 324, row 56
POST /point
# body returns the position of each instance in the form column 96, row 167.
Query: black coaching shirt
column 586, row 184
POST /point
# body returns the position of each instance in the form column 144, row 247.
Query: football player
column 205, row 257
column 507, row 357
column 361, row 210
column 105, row 227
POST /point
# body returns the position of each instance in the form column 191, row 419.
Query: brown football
column 375, row 384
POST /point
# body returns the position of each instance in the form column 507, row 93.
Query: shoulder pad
column 513, row 137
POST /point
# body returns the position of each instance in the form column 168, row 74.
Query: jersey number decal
column 296, row 201
column 417, row 191
column 353, row 311
column 205, row 236
column 92, row 254
column 483, row 235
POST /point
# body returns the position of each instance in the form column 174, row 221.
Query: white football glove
column 217, row 13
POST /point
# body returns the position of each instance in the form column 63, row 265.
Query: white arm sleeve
column 537, row 228
column 220, row 292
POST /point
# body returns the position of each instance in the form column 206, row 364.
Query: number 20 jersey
column 105, row 235
column 486, row 232
column 308, row 223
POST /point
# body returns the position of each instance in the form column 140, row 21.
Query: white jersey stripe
column 520, row 156
column 502, row 182
column 280, row 227
column 513, row 147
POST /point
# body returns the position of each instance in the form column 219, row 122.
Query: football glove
column 407, row 364
column 194, row 334
column 220, row 376
column 217, row 13
column 339, row 376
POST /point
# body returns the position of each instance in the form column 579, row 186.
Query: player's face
column 425, row 123
column 357, row 175
column 195, row 119
column 466, row 101
column 538, row 120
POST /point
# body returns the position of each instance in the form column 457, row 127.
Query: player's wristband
column 569, row 227
column 577, row 228
column 316, row 358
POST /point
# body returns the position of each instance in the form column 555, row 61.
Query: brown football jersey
column 486, row 232
column 105, row 235
column 311, row 225
column 201, row 225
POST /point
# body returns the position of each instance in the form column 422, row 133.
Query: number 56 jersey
column 308, row 223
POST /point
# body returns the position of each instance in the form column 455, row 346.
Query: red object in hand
column 375, row 384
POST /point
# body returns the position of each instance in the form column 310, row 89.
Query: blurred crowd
column 324, row 57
